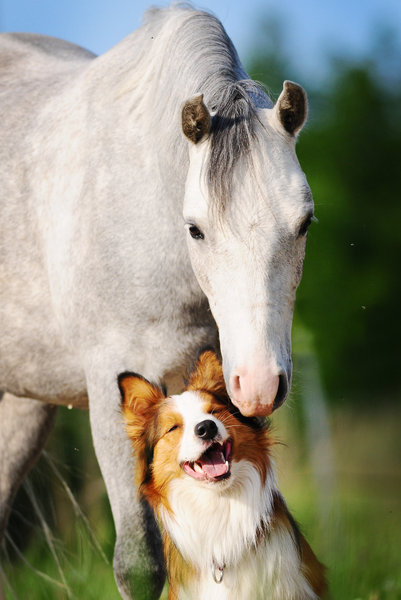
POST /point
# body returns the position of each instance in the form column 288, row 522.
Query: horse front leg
column 25, row 425
column 138, row 556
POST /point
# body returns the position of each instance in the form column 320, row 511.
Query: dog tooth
column 197, row 468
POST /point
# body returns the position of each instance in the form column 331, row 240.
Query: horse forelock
column 232, row 135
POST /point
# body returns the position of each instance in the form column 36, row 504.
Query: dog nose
column 206, row 430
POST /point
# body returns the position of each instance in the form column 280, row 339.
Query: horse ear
column 291, row 107
column 195, row 119
column 207, row 375
column 140, row 399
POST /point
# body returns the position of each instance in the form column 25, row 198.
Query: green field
column 353, row 517
column 344, row 490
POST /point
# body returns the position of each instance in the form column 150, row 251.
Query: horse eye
column 196, row 233
column 305, row 226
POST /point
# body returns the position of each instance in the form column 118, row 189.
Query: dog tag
column 217, row 572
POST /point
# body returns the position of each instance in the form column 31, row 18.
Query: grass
column 353, row 518
column 348, row 505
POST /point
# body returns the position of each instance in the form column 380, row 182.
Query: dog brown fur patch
column 179, row 572
column 140, row 402
column 207, row 376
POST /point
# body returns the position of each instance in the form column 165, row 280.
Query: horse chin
column 253, row 409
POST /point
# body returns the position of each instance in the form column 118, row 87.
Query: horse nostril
column 281, row 392
column 206, row 430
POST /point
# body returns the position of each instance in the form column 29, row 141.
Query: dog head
column 198, row 434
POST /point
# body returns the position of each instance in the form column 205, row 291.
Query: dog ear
column 140, row 399
column 208, row 375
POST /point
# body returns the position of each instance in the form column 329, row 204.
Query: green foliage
column 350, row 295
column 351, row 152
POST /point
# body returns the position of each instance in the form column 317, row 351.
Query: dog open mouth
column 213, row 465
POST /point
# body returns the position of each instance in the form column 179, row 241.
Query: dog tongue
column 213, row 463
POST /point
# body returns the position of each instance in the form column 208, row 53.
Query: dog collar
column 217, row 572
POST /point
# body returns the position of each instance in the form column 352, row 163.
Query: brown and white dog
column 207, row 473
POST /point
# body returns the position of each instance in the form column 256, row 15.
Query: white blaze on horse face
column 249, row 262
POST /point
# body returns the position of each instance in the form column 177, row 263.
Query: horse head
column 247, row 209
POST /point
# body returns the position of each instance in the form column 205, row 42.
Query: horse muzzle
column 258, row 393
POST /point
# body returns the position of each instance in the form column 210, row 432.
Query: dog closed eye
column 176, row 426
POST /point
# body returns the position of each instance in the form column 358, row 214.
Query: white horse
column 138, row 189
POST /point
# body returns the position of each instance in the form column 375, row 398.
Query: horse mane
column 208, row 64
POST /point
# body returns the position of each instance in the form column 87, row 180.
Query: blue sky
column 314, row 28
